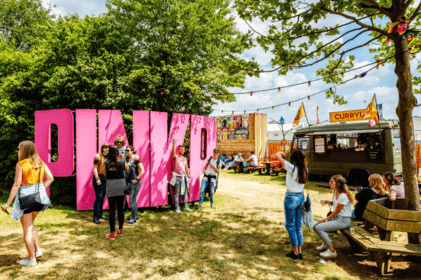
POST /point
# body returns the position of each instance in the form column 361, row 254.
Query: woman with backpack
column 296, row 179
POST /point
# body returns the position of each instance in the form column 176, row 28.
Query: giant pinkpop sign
column 150, row 138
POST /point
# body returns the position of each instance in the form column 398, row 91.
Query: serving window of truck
column 352, row 149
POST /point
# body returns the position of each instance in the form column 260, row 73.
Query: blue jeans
column 293, row 217
column 203, row 189
column 99, row 195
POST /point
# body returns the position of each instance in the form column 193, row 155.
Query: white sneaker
column 28, row 262
column 38, row 254
column 328, row 254
column 322, row 247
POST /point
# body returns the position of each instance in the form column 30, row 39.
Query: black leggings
column 111, row 202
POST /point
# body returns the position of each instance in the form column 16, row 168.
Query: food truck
column 351, row 149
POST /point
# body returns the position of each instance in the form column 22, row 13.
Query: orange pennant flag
column 300, row 114
column 371, row 112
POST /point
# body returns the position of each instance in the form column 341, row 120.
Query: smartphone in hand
column 7, row 212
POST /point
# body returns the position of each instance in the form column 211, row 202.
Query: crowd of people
column 117, row 172
column 341, row 216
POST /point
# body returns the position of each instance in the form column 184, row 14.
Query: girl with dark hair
column 340, row 217
column 397, row 189
column 29, row 179
column 100, row 182
column 133, row 181
column 116, row 185
column 296, row 178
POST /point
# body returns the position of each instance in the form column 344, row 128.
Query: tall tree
column 21, row 22
column 174, row 56
column 296, row 39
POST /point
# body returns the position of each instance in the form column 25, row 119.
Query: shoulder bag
column 31, row 200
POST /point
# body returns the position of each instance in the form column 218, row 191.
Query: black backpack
column 217, row 176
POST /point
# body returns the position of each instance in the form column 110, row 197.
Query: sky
column 358, row 92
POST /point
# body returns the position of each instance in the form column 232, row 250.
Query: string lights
column 362, row 75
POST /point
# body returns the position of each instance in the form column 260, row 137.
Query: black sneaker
column 103, row 217
column 96, row 221
column 131, row 222
column 293, row 256
column 300, row 256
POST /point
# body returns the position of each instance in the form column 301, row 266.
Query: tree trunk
column 406, row 104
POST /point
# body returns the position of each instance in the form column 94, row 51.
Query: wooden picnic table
column 269, row 164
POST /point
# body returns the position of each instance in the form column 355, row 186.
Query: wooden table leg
column 385, row 235
column 268, row 169
column 383, row 261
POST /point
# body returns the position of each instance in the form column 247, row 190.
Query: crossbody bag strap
column 39, row 178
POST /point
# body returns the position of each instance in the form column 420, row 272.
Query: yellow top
column 30, row 175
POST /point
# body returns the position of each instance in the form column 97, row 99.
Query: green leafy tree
column 174, row 56
column 296, row 39
column 20, row 22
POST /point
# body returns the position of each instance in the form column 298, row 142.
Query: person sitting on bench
column 375, row 191
column 339, row 219
column 230, row 162
column 239, row 163
column 252, row 160
column 397, row 189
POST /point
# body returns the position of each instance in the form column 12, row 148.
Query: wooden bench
column 387, row 220
column 254, row 168
column 278, row 170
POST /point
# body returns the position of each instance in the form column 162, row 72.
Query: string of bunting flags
column 361, row 75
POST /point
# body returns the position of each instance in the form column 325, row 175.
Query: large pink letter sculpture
column 150, row 139
column 63, row 118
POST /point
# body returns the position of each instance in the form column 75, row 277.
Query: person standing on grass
column 133, row 181
column 339, row 219
column 116, row 185
column 100, row 182
column 296, row 179
column 180, row 180
column 211, row 170
column 29, row 177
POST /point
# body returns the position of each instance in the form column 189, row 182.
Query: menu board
column 319, row 145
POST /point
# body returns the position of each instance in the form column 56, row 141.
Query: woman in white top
column 296, row 178
column 339, row 219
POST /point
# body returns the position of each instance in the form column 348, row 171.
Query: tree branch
column 356, row 21
column 417, row 10
column 380, row 8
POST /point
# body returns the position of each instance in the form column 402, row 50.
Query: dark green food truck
column 352, row 149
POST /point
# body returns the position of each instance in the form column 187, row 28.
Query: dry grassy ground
column 244, row 238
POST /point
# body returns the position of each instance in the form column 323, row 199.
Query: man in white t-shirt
column 211, row 170
column 252, row 160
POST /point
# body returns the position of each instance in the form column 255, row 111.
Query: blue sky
column 381, row 81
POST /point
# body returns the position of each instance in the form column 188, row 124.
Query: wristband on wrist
column 97, row 178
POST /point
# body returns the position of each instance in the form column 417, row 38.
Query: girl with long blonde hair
column 375, row 191
column 30, row 171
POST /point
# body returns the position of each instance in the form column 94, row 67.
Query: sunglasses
column 128, row 151
column 119, row 142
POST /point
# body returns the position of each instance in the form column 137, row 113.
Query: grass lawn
column 244, row 238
